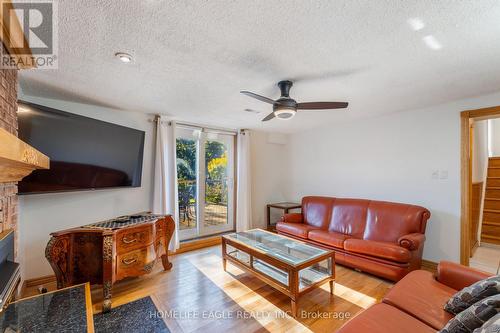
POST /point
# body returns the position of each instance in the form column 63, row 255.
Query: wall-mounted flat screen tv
column 85, row 153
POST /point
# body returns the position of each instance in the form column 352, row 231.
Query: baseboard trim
column 40, row 280
column 490, row 245
column 429, row 265
column 198, row 244
column 35, row 282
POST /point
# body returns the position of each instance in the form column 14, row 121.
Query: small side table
column 285, row 206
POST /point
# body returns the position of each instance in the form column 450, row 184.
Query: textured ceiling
column 193, row 57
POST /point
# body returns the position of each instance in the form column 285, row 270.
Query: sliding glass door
column 205, row 175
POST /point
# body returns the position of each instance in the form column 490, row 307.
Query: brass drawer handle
column 129, row 241
column 129, row 261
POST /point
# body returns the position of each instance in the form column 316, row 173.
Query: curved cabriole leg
column 57, row 253
column 169, row 231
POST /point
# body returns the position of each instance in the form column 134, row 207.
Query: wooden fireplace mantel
column 18, row 159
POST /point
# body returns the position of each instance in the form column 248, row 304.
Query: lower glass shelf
column 239, row 255
column 271, row 271
column 317, row 272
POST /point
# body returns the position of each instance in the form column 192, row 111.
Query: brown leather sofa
column 381, row 238
column 415, row 304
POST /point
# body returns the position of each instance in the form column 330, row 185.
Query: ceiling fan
column 286, row 107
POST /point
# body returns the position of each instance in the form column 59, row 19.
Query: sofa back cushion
column 317, row 211
column 349, row 217
column 387, row 221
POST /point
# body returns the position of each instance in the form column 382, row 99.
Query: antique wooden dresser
column 105, row 252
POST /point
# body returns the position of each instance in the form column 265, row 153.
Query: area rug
column 136, row 316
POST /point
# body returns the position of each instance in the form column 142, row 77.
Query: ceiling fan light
column 285, row 113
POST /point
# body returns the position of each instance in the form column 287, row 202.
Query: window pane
column 216, row 181
column 186, row 178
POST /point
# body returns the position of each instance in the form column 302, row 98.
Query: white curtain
column 243, row 188
column 165, row 176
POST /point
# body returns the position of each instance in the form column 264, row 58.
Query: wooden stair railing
column 490, row 229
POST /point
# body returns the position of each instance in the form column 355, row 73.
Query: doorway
column 471, row 219
column 205, row 181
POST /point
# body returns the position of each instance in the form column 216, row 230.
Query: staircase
column 490, row 231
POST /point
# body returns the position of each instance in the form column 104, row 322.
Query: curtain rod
column 201, row 127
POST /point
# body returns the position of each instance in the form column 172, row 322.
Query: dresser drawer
column 136, row 238
column 136, row 262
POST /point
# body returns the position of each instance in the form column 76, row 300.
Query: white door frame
column 228, row 140
column 201, row 138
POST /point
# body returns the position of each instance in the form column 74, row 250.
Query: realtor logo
column 31, row 40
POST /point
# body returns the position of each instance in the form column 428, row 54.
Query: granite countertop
column 60, row 311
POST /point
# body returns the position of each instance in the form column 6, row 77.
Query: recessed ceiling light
column 432, row 42
column 416, row 23
column 124, row 57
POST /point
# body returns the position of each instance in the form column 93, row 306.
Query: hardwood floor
column 197, row 292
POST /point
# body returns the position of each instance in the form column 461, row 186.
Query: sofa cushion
column 317, row 211
column 382, row 250
column 471, row 294
column 388, row 221
column 383, row 268
column 383, row 318
column 474, row 316
column 349, row 217
column 420, row 295
column 329, row 238
column 295, row 229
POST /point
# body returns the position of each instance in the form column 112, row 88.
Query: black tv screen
column 85, row 153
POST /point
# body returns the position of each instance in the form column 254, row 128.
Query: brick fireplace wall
column 8, row 121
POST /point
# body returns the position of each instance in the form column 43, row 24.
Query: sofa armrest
column 411, row 241
column 457, row 276
column 292, row 218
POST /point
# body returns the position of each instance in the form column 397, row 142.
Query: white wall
column 268, row 158
column 494, row 137
column 391, row 157
column 45, row 213
column 480, row 151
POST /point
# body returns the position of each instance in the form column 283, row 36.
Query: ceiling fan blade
column 252, row 111
column 325, row 75
column 259, row 97
column 269, row 117
column 321, row 105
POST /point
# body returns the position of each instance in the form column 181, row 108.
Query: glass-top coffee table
column 290, row 266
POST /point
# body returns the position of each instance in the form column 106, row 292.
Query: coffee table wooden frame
column 292, row 290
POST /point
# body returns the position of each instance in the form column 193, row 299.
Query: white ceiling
column 193, row 57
